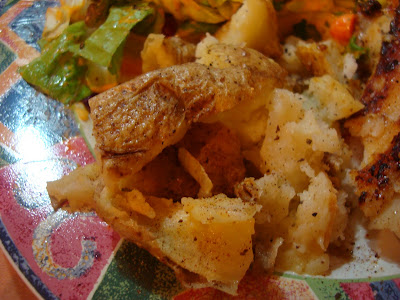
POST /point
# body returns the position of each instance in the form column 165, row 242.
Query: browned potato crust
column 218, row 150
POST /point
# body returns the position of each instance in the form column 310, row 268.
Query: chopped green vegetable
column 117, row 59
column 279, row 4
column 57, row 72
column 306, row 31
column 356, row 48
column 338, row 13
column 153, row 23
column 215, row 3
column 104, row 42
column 66, row 69
column 197, row 27
column 192, row 31
column 60, row 71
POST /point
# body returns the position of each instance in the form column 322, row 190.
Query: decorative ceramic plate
column 77, row 256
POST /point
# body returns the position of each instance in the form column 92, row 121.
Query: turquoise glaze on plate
column 78, row 256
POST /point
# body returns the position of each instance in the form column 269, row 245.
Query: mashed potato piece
column 255, row 26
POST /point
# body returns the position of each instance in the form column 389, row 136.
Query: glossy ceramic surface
column 77, row 256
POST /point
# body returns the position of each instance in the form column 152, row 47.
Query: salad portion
column 83, row 41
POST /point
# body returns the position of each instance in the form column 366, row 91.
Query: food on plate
column 251, row 149
column 162, row 106
column 160, row 51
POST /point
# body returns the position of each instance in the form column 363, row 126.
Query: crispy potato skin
column 134, row 121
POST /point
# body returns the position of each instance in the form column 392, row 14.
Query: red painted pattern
column 74, row 149
column 65, row 243
column 256, row 287
column 358, row 290
column 397, row 282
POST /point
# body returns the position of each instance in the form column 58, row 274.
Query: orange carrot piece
column 342, row 28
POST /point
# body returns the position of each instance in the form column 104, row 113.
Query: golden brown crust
column 217, row 149
column 165, row 177
column 379, row 125
column 376, row 181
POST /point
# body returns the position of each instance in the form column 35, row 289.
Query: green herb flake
column 278, row 5
column 198, row 27
column 306, row 31
column 354, row 47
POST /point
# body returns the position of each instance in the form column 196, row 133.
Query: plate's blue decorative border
column 30, row 23
column 385, row 290
column 6, row 4
column 23, row 265
column 23, row 107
